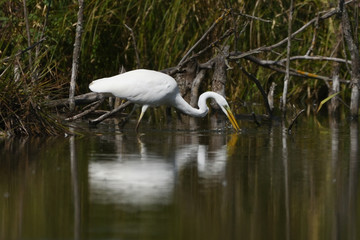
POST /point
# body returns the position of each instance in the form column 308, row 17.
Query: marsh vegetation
column 279, row 53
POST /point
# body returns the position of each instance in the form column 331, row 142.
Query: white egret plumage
column 152, row 88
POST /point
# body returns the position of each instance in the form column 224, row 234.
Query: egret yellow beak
column 232, row 119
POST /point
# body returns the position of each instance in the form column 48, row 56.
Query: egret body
column 151, row 88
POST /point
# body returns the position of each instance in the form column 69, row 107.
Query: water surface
column 173, row 183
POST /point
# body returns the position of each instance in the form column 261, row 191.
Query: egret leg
column 143, row 109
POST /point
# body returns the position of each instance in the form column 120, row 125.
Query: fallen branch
column 108, row 114
column 80, row 99
column 94, row 106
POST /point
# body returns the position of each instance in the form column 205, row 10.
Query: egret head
column 226, row 109
column 221, row 101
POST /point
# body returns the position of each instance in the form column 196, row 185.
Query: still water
column 173, row 183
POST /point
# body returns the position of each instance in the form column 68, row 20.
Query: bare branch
column 135, row 45
column 211, row 45
column 293, row 72
column 76, row 55
column 258, row 84
column 309, row 51
column 252, row 17
column 6, row 59
column 287, row 73
column 203, row 37
column 239, row 55
column 314, row 58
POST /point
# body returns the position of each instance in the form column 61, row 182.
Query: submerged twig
column 255, row 119
column 293, row 121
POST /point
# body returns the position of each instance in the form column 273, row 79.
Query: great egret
column 152, row 88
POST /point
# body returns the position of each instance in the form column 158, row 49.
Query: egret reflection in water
column 148, row 178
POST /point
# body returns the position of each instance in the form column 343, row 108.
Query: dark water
column 175, row 184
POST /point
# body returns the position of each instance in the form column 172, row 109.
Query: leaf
column 325, row 100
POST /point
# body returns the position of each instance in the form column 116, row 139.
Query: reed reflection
column 353, row 180
column 75, row 187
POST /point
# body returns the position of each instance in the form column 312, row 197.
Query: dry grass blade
column 326, row 100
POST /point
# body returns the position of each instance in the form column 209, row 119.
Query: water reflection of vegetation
column 267, row 184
